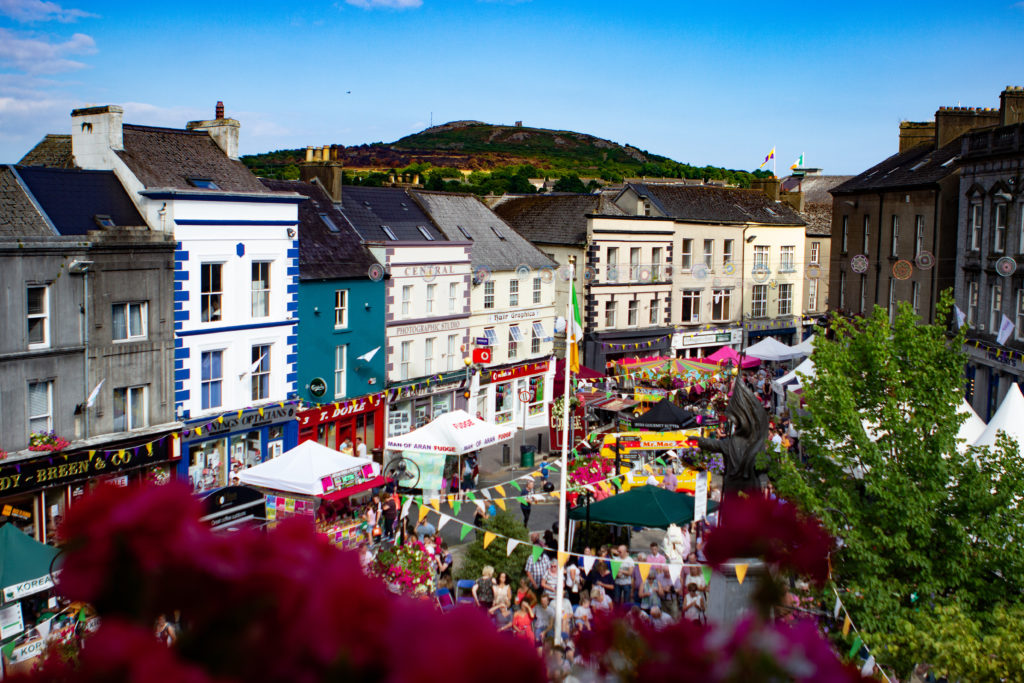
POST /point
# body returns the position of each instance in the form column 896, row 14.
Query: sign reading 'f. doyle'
column 23, row 588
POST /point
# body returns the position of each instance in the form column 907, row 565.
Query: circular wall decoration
column 1006, row 266
column 773, row 284
column 375, row 272
column 523, row 271
column 482, row 274
column 729, row 268
column 644, row 275
column 700, row 271
column 760, row 274
column 925, row 260
column 813, row 272
column 612, row 274
column 902, row 270
column 565, row 273
column 429, row 273
column 589, row 273
column 547, row 274
column 859, row 263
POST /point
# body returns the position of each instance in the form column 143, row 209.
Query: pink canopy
column 727, row 354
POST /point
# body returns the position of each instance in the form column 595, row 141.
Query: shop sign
column 317, row 387
column 29, row 650
column 423, row 389
column 429, row 271
column 429, row 327
column 649, row 394
column 347, row 478
column 331, row 412
column 11, row 622
column 482, row 341
column 681, row 340
column 1001, row 357
column 249, row 419
column 513, row 316
column 514, row 372
column 20, row 590
column 577, row 429
column 54, row 470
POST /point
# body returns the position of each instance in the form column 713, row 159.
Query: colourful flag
column 771, row 155
column 799, row 163
column 1005, row 330
column 575, row 333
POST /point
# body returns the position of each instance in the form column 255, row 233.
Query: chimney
column 95, row 132
column 223, row 131
column 1011, row 105
column 952, row 122
column 770, row 186
column 309, row 154
column 914, row 133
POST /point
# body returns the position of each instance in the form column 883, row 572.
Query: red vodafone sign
column 482, row 356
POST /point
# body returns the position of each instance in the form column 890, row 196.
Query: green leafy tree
column 570, row 183
column 922, row 524
column 478, row 557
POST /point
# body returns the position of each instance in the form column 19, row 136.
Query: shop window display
column 536, row 396
column 55, row 505
column 207, row 466
column 21, row 512
column 504, row 403
column 245, row 452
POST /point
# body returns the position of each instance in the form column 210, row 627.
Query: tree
column 922, row 524
column 570, row 183
column 478, row 557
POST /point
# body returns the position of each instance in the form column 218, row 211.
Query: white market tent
column 790, row 380
column 454, row 433
column 971, row 429
column 303, row 469
column 771, row 349
column 1009, row 418
column 804, row 348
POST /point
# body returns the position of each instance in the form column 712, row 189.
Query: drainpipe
column 878, row 245
column 82, row 268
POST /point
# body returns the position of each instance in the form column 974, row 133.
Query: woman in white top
column 573, row 583
column 693, row 603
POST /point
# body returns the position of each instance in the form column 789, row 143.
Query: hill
column 478, row 146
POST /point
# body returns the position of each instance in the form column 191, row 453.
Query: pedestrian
column 502, row 591
column 527, row 503
column 543, row 619
column 550, row 581
column 467, row 474
column 164, row 631
column 602, row 577
column 360, row 448
column 624, row 581
column 537, row 567
column 483, row 589
column 693, row 604
column 656, row 557
column 522, row 623
column 424, row 528
column 444, row 567
column 389, row 510
column 573, row 582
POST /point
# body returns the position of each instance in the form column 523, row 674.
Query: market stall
column 26, row 577
column 1009, row 418
column 729, row 356
column 317, row 483
column 771, row 349
column 664, row 416
column 646, row 506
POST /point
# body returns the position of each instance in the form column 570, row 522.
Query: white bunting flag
column 835, row 610
column 674, row 570
column 869, row 666
column 512, row 543
column 961, row 317
column 486, row 493
column 405, row 507
column 1005, row 330
column 588, row 563
column 479, row 504
column 441, row 522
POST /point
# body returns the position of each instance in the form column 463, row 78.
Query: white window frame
column 999, row 213
column 609, row 313
column 842, row 289
column 453, row 349
column 513, row 342
column 759, row 301
column 130, row 397
column 536, row 290
column 894, row 236
column 655, row 263
column 632, row 313
column 340, row 371
column 892, row 300
column 535, row 340
column 513, row 292
column 918, row 235
column 492, row 337
column 975, row 226
column 787, row 258
column 340, row 309
column 260, row 378
column 693, row 296
column 428, row 355
column 762, row 256
column 208, row 313
column 972, row 302
column 655, row 311
column 127, row 307
column 489, row 294
column 815, row 253
column 995, row 303
column 863, row 294
column 210, row 381
column 611, row 259
column 634, row 264
column 728, row 251
column 405, row 362
column 453, row 296
column 845, row 233
column 48, row 415
column 406, row 299
column 812, row 295
column 867, row 235
column 686, row 255
column 915, row 297
column 43, row 315
column 260, row 289
column 785, row 299
column 721, row 305
column 709, row 254
column 431, row 296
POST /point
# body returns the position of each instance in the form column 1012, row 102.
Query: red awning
column 341, row 494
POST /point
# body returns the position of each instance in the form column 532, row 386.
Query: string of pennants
column 511, row 544
column 635, row 346
column 868, row 666
column 999, row 350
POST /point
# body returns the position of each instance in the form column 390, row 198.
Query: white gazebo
column 804, row 348
column 454, row 433
column 772, row 349
column 311, row 469
column 1009, row 418
column 971, row 429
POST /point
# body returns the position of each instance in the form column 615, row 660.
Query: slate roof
column 168, row 157
column 368, row 208
column 917, row 167
column 554, row 219
column 726, row 204
column 817, row 199
column 502, row 250
column 53, row 151
column 323, row 253
column 18, row 216
column 72, row 198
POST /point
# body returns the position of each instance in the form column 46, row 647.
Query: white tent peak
column 772, row 349
column 454, row 433
column 1009, row 418
column 971, row 429
column 301, row 469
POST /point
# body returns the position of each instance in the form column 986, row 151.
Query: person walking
column 483, row 589
column 624, row 580
column 527, row 505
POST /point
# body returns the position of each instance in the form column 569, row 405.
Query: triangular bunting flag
column 846, row 625
column 436, row 504
column 456, row 506
column 423, row 512
column 855, row 648
column 674, row 570
column 486, row 493
column 588, row 563
column 534, row 474
column 470, row 495
column 199, row 431
column 442, row 521
column 615, row 568
column 645, row 569
column 563, row 557
column 451, row 501
column 405, row 507
column 741, row 572
column 521, row 500
column 220, row 419
column 500, row 489
column 500, row 502
column 869, row 666
column 515, row 485
column 536, row 552
column 510, row 546
column 556, row 494
column 479, row 504
column 488, row 537
column 836, row 608
column 465, row 530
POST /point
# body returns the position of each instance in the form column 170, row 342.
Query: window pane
column 38, row 398
column 120, row 329
column 135, row 320
column 36, row 330
column 138, row 406
column 120, row 410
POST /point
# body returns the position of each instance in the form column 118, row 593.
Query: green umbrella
column 647, row 506
column 24, row 564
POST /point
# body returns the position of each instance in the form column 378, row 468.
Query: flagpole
column 570, row 338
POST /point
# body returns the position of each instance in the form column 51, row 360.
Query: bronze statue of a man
column 740, row 450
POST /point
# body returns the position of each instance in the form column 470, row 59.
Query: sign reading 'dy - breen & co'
column 54, row 470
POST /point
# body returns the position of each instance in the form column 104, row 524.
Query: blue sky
column 703, row 83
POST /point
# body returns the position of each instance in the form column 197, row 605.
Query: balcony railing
column 644, row 273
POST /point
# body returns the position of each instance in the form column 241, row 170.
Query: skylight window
column 426, row 233
column 950, row 161
column 497, row 232
column 388, row 232
column 328, row 222
column 770, row 211
column 920, row 163
column 104, row 221
column 203, row 183
column 465, row 233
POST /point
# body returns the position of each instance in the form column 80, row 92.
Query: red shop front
column 331, row 424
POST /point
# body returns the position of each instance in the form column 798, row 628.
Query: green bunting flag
column 855, row 648
column 515, row 485
column 615, row 568
column 456, row 506
column 470, row 496
column 616, row 483
column 707, row 575
column 419, row 500
column 537, row 550
column 660, row 461
column 465, row 530
column 521, row 500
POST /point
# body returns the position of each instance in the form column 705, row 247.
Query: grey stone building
column 87, row 349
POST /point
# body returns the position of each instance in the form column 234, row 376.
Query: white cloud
column 386, row 4
column 27, row 11
column 39, row 55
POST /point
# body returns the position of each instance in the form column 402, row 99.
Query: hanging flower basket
column 405, row 569
column 47, row 442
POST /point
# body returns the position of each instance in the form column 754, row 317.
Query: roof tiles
column 554, row 219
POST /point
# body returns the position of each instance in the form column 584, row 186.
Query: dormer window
column 497, row 233
column 389, row 232
column 104, row 221
column 426, row 233
column 328, row 222
column 203, row 183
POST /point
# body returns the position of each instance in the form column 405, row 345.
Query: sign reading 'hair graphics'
column 513, row 316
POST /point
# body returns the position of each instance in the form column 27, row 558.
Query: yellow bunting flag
column 645, row 569
column 556, row 494
column 436, row 504
column 451, row 501
column 221, row 419
column 174, row 435
column 741, row 572
column 488, row 537
column 149, row 448
column 846, row 625
column 261, row 411
column 500, row 502
column 534, row 474
column 563, row 557
column 239, row 414
column 423, row 512
column 500, row 489
column 199, row 431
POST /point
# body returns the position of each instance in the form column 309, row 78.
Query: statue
column 740, row 450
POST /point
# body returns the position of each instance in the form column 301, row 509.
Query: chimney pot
column 219, row 111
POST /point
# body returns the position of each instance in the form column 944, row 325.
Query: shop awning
column 612, row 404
column 25, row 564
